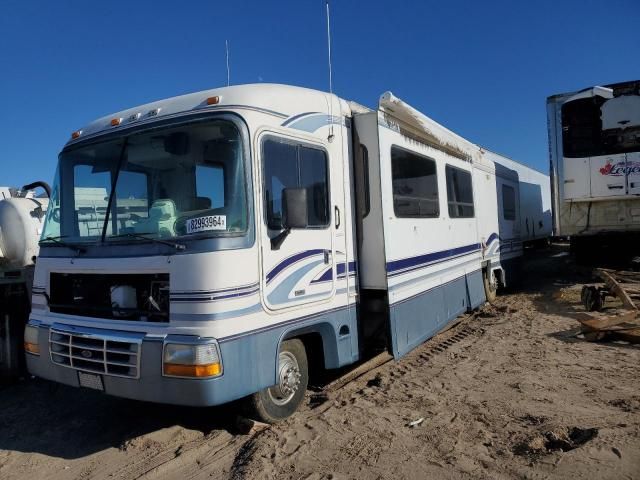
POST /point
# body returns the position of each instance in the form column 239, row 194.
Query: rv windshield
column 183, row 181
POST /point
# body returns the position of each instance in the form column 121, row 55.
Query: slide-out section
column 419, row 252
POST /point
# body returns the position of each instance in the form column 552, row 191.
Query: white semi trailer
column 594, row 148
column 213, row 246
column 21, row 219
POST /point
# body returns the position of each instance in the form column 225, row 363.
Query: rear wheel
column 280, row 401
column 490, row 285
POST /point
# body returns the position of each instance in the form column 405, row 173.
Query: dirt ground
column 508, row 393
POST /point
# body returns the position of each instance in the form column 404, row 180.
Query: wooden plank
column 631, row 336
column 615, row 287
column 597, row 323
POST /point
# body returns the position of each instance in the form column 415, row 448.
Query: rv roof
column 279, row 101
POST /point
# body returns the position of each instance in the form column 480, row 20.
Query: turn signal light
column 197, row 371
column 76, row 134
column 32, row 348
column 115, row 122
column 31, row 339
column 213, row 100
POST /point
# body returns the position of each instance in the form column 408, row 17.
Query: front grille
column 95, row 353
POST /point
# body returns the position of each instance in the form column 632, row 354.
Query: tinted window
column 287, row 165
column 459, row 192
column 415, row 186
column 508, row 202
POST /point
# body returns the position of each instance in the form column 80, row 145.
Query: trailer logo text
column 621, row 168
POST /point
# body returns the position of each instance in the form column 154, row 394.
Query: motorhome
column 594, row 148
column 216, row 245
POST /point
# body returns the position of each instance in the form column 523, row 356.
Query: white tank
column 21, row 222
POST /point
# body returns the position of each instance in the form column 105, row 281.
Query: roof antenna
column 330, row 138
column 226, row 48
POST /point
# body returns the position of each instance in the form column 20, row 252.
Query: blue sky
column 483, row 69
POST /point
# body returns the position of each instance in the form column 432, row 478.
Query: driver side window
column 291, row 165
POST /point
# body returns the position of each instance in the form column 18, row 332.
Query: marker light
column 31, row 340
column 213, row 100
column 191, row 360
column 76, row 134
column 115, row 122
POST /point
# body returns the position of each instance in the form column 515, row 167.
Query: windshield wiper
column 177, row 246
column 57, row 240
column 114, row 182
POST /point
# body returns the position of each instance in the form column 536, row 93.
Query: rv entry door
column 297, row 239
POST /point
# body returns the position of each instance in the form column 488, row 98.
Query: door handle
column 327, row 257
column 337, row 212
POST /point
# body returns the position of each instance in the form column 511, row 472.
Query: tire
column 280, row 401
column 491, row 292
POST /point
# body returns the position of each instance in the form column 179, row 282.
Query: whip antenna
column 226, row 48
column 330, row 73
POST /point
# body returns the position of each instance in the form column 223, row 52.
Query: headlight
column 31, row 340
column 186, row 360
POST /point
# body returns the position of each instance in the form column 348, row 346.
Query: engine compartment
column 131, row 297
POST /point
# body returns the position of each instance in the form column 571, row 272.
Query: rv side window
column 288, row 165
column 415, row 185
column 459, row 192
column 508, row 202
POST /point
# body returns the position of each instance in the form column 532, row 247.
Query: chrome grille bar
column 89, row 352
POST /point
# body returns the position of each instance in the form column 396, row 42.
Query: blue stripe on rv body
column 214, row 292
column 294, row 118
column 341, row 273
column 313, row 121
column 280, row 293
column 290, row 261
column 214, row 298
column 208, row 317
column 398, row 267
column 492, row 237
column 394, row 288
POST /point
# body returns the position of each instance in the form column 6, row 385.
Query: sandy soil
column 508, row 393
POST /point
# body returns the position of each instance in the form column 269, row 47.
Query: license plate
column 89, row 380
column 204, row 224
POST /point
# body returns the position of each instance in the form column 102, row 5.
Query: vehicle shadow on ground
column 60, row 421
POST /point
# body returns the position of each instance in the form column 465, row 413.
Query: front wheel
column 280, row 401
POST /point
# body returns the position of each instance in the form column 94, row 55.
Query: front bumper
column 150, row 384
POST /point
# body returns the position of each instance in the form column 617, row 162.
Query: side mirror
column 294, row 208
column 295, row 214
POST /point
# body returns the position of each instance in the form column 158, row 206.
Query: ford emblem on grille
column 86, row 353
